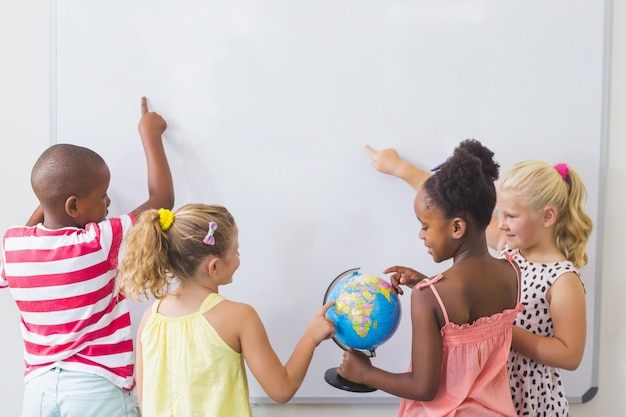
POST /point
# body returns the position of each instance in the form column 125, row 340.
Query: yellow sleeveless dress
column 188, row 370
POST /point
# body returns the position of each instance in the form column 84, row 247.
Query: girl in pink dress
column 461, row 319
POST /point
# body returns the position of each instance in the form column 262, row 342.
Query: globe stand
column 337, row 381
column 331, row 376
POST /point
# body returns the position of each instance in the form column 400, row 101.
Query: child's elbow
column 570, row 367
column 574, row 359
column 280, row 392
column 281, row 400
column 281, row 397
column 426, row 392
column 427, row 395
column 572, row 364
column 569, row 361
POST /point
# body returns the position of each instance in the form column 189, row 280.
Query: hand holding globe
column 366, row 314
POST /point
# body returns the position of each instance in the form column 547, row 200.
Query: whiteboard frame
column 598, row 222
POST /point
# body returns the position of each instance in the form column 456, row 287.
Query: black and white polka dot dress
column 537, row 389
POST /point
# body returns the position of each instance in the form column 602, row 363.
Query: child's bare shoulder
column 237, row 309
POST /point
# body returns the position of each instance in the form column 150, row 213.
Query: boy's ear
column 71, row 206
column 459, row 227
column 549, row 216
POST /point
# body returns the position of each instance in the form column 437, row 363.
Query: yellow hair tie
column 166, row 218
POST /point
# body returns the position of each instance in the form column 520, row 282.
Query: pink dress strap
column 509, row 258
column 429, row 282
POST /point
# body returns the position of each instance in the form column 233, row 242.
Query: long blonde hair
column 155, row 258
column 538, row 185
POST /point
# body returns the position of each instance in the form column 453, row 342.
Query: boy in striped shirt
column 61, row 269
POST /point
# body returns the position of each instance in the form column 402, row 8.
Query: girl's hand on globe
column 403, row 275
column 321, row 327
column 354, row 367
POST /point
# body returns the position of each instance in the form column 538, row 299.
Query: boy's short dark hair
column 63, row 170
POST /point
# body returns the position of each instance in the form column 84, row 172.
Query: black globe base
column 337, row 381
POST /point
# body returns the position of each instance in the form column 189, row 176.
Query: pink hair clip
column 563, row 170
column 210, row 239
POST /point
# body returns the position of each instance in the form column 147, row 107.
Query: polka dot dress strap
column 429, row 282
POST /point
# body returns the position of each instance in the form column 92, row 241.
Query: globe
column 366, row 314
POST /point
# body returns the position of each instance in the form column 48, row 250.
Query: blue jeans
column 61, row 393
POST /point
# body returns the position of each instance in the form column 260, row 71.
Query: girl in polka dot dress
column 541, row 222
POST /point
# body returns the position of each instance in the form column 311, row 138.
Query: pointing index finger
column 326, row 307
column 144, row 105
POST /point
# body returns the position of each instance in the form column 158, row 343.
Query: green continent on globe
column 357, row 302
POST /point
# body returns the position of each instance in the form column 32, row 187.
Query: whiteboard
column 269, row 105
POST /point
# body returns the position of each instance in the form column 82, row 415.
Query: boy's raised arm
column 160, row 183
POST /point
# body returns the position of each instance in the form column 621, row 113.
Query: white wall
column 24, row 127
column 23, row 135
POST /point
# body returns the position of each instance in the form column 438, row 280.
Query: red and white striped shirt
column 63, row 282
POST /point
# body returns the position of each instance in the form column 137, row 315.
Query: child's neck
column 195, row 287
column 472, row 248
column 543, row 254
column 54, row 221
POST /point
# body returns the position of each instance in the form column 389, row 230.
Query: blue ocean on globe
column 366, row 313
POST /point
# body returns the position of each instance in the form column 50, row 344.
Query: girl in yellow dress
column 192, row 342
